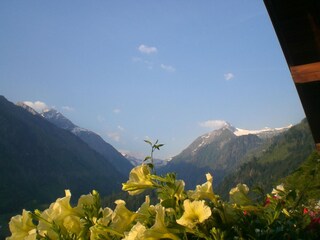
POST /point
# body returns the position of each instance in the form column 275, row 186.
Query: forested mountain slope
column 38, row 161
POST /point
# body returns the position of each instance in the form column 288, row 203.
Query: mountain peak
column 58, row 119
column 228, row 126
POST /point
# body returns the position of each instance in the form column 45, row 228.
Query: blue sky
column 131, row 70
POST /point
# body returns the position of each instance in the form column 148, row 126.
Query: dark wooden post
column 297, row 25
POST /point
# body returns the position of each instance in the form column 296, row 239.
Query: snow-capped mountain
column 137, row 161
column 264, row 133
column 91, row 138
column 221, row 151
column 61, row 121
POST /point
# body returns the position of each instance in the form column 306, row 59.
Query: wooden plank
column 306, row 72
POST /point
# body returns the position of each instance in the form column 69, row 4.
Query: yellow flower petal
column 136, row 232
column 194, row 212
column 139, row 180
column 21, row 227
column 203, row 191
column 122, row 217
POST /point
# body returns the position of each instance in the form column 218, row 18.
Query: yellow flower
column 122, row 217
column 84, row 200
column 101, row 227
column 139, row 180
column 203, row 191
column 106, row 216
column 159, row 229
column 278, row 191
column 57, row 212
column 72, row 224
column 238, row 194
column 21, row 227
column 136, row 232
column 145, row 212
column 194, row 212
column 98, row 232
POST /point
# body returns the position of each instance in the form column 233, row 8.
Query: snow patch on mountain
column 205, row 139
column 77, row 130
column 262, row 133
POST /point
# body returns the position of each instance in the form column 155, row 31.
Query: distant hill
column 285, row 154
column 38, row 161
column 92, row 139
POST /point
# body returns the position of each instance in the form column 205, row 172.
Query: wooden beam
column 306, row 73
column 318, row 147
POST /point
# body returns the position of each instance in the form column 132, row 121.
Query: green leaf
column 147, row 141
column 150, row 165
column 147, row 158
column 158, row 146
column 168, row 203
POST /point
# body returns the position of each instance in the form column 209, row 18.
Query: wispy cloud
column 115, row 136
column 121, row 128
column 147, row 49
column 67, row 108
column 116, row 110
column 213, row 124
column 228, row 76
column 37, row 105
column 168, row 68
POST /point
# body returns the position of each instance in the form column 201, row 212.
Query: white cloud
column 147, row 50
column 121, row 128
column 115, row 136
column 67, row 108
column 167, row 68
column 213, row 124
column 37, row 105
column 228, row 76
column 116, row 110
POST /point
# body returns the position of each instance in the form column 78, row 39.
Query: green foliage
column 306, row 179
column 179, row 214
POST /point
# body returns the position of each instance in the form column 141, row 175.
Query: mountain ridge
column 94, row 141
column 223, row 151
column 39, row 161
